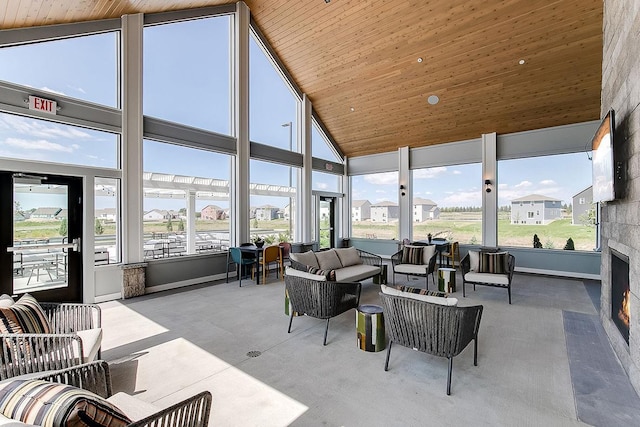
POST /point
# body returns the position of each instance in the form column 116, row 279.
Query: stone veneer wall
column 620, row 219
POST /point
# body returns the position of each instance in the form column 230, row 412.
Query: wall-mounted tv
column 603, row 164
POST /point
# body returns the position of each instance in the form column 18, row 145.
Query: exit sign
column 40, row 104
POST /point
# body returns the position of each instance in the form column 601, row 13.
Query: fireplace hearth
column 620, row 295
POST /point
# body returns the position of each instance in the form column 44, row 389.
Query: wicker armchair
column 320, row 299
column 435, row 329
column 424, row 270
column 27, row 353
column 94, row 377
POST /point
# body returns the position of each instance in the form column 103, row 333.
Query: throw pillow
column 474, row 260
column 328, row 260
column 348, row 256
column 6, row 300
column 25, row 316
column 306, row 258
column 303, row 274
column 412, row 255
column 427, row 252
column 493, row 262
column 52, row 404
column 328, row 274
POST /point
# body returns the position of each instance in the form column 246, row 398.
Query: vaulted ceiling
column 370, row 66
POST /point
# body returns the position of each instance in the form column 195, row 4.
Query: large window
column 326, row 182
column 107, row 221
column 187, row 73
column 374, row 206
column 540, row 205
column 84, row 67
column 272, row 201
column 447, row 203
column 34, row 139
column 320, row 146
column 272, row 104
column 176, row 178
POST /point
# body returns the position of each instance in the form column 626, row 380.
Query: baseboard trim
column 108, row 297
column 183, row 283
column 571, row 274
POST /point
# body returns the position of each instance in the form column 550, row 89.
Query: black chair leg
column 509, row 290
column 463, row 293
column 290, row 320
column 326, row 329
column 475, row 351
column 449, row 376
column 386, row 362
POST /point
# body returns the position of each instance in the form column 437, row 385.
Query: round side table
column 447, row 280
column 370, row 328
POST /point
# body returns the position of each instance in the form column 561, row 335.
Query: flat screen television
column 603, row 165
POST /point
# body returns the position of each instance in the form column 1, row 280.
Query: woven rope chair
column 431, row 328
column 321, row 299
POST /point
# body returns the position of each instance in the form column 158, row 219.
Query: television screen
column 602, row 161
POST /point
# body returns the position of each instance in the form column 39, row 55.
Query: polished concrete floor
column 234, row 342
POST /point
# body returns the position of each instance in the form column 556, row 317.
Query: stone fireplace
column 620, row 219
column 620, row 294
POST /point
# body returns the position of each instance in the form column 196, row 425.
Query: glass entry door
column 326, row 218
column 41, row 231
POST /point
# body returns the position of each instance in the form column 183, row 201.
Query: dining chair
column 452, row 254
column 270, row 255
column 241, row 262
column 285, row 250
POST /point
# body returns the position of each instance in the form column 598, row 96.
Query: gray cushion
column 427, row 298
column 474, row 260
column 91, row 342
column 297, row 273
column 328, row 260
column 410, row 269
column 355, row 273
column 498, row 279
column 348, row 256
column 306, row 258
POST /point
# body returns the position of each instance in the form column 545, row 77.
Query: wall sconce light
column 487, row 185
column 402, row 192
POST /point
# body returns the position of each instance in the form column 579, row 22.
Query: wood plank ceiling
column 358, row 61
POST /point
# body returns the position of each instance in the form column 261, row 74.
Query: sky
column 186, row 79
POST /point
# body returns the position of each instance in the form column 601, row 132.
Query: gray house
column 581, row 204
column 360, row 210
column 424, row 209
column 535, row 209
column 385, row 212
column 267, row 212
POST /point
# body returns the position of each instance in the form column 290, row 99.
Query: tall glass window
column 374, row 208
column 83, row 67
column 320, row 146
column 200, row 179
column 546, row 202
column 447, row 203
column 187, row 73
column 107, row 221
column 326, row 182
column 272, row 202
column 272, row 104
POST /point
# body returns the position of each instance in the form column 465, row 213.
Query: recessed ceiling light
column 352, row 109
column 521, row 62
column 419, row 59
column 433, row 99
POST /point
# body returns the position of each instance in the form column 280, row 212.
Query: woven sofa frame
column 321, row 299
column 28, row 353
column 95, row 377
column 465, row 266
column 367, row 258
column 439, row 330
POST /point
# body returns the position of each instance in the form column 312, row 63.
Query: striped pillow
column 494, row 262
column 51, row 404
column 421, row 291
column 24, row 317
column 328, row 274
column 412, row 254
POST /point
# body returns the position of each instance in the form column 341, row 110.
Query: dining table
column 442, row 245
column 257, row 251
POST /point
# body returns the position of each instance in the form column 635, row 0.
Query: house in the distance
column 45, row 213
column 424, row 209
column 212, row 212
column 360, row 210
column 385, row 211
column 107, row 214
column 535, row 209
column 155, row 215
column 267, row 213
column 581, row 204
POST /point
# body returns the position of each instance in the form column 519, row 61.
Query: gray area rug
column 604, row 395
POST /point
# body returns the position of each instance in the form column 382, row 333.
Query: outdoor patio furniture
column 271, row 254
column 437, row 329
column 86, row 389
column 423, row 265
column 242, row 261
column 315, row 296
column 496, row 272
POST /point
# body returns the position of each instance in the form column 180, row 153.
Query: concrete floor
column 167, row 346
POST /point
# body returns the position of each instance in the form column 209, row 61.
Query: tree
column 255, row 223
column 63, row 227
column 588, row 218
column 536, row 241
column 569, row 246
column 98, row 227
column 169, row 224
column 181, row 225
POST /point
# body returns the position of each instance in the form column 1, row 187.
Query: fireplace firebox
column 620, row 310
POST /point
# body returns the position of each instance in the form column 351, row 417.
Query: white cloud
column 53, row 90
column 547, row 182
column 382, row 178
column 457, row 172
column 464, row 198
column 76, row 89
column 39, row 129
column 429, row 173
column 524, row 184
column 322, row 185
column 36, row 145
